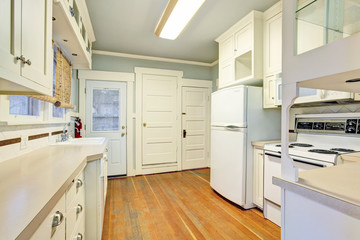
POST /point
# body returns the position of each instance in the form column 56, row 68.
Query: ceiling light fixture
column 176, row 16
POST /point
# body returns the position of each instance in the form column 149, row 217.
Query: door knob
column 122, row 134
column 122, row 127
column 144, row 124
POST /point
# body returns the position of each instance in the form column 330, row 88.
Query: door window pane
column 22, row 105
column 105, row 111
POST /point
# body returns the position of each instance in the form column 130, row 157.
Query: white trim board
column 151, row 58
column 106, row 76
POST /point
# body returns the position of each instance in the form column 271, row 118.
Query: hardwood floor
column 179, row 205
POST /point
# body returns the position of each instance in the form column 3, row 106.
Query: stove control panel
column 340, row 126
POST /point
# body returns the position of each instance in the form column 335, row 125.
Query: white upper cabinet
column 240, row 52
column 328, row 56
column 25, row 47
column 272, row 40
column 73, row 32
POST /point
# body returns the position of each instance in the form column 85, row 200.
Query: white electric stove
column 320, row 140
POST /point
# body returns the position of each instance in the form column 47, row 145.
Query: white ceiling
column 127, row 26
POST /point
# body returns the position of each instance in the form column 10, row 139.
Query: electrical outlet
column 24, row 142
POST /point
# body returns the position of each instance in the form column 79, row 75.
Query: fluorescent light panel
column 176, row 16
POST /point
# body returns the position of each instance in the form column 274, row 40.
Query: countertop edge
column 334, row 202
column 30, row 229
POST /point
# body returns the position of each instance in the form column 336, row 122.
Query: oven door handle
column 273, row 155
column 309, row 163
column 297, row 160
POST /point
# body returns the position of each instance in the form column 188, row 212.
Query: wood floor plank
column 179, row 205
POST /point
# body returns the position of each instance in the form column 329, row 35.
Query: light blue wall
column 121, row 64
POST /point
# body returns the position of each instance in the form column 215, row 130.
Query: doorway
column 106, row 117
column 195, row 127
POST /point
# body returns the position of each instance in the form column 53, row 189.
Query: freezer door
column 228, row 107
column 228, row 163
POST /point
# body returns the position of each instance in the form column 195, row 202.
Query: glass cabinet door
column 320, row 22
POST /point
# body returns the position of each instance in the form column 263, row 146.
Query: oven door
column 272, row 167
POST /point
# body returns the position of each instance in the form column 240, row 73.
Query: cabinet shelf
column 340, row 18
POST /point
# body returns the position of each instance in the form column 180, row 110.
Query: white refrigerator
column 237, row 119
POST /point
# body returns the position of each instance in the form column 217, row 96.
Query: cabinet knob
column 79, row 209
column 28, row 62
column 79, row 236
column 144, row 124
column 57, row 219
column 21, row 58
column 122, row 134
column 79, row 183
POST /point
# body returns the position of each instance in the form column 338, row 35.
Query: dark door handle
column 184, row 133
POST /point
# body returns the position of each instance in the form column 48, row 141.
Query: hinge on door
column 85, row 90
column 85, row 127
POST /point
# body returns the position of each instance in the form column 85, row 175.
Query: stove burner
column 342, row 149
column 301, row 145
column 323, row 151
column 279, row 145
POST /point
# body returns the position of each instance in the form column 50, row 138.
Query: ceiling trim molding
column 160, row 59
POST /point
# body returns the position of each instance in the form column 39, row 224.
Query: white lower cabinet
column 67, row 219
column 258, row 177
column 95, row 183
column 53, row 227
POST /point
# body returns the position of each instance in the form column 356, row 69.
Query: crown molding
column 160, row 59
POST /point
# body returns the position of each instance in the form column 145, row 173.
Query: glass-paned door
column 106, row 117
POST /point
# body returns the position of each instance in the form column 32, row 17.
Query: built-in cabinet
column 67, row 219
column 240, row 52
column 272, row 52
column 258, row 177
column 72, row 31
column 25, row 47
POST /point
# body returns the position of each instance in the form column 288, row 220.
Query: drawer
column 75, row 187
column 46, row 229
column 79, row 231
column 75, row 212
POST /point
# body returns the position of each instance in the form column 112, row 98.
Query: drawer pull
column 79, row 183
column 79, row 209
column 57, row 219
column 79, row 236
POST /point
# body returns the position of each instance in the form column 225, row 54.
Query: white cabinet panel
column 243, row 40
column 273, row 44
column 226, row 73
column 226, row 49
column 258, row 177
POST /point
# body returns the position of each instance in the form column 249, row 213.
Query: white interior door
column 195, row 127
column 159, row 123
column 106, row 117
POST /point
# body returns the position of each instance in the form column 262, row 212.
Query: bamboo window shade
column 62, row 88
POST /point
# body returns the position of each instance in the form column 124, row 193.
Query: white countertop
column 30, row 181
column 261, row 144
column 337, row 187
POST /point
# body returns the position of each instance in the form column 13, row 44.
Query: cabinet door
column 258, row 178
column 9, row 48
column 46, row 231
column 226, row 49
column 273, row 44
column 268, row 92
column 35, row 42
column 244, row 40
column 226, row 73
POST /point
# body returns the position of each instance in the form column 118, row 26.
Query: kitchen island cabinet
column 321, row 206
column 32, row 185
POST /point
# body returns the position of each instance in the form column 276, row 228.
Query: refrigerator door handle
column 232, row 127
